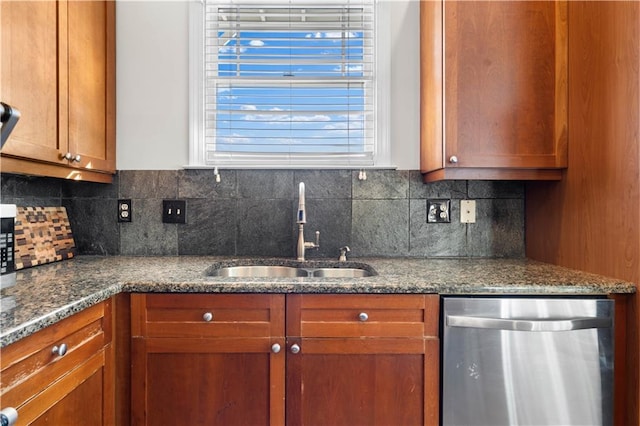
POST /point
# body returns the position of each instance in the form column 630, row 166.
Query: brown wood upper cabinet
column 251, row 358
column 58, row 70
column 493, row 89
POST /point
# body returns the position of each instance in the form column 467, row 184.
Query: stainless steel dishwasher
column 527, row 361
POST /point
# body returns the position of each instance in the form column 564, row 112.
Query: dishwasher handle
column 546, row 324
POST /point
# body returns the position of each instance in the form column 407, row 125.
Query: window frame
column 197, row 145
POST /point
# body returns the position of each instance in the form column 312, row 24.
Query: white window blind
column 290, row 82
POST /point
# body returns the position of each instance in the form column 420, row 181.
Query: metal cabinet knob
column 275, row 348
column 363, row 316
column 59, row 350
column 295, row 349
column 8, row 416
column 70, row 157
column 453, row 159
column 208, row 316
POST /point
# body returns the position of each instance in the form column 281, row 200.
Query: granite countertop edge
column 46, row 294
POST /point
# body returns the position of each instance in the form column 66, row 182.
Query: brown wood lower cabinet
column 207, row 359
column 362, row 360
column 72, row 386
column 274, row 359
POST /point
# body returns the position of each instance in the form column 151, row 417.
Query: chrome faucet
column 343, row 253
column 302, row 219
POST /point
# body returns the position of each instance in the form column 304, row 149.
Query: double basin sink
column 270, row 268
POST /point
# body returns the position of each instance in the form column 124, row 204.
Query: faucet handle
column 343, row 253
column 313, row 245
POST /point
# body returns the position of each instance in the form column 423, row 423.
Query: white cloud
column 233, row 139
column 281, row 119
column 335, row 126
column 230, row 50
column 333, row 34
column 317, row 117
column 266, row 117
column 339, row 34
column 350, row 68
column 256, row 43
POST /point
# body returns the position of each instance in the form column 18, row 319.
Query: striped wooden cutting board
column 42, row 235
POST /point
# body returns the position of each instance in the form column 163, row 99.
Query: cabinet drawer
column 30, row 366
column 207, row 315
column 363, row 315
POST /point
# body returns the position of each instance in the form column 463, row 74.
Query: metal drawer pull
column 8, row 416
column 295, row 349
column 275, row 348
column 363, row 316
column 550, row 324
column 208, row 316
column 59, row 350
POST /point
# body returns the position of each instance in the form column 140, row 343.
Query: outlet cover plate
column 438, row 211
column 174, row 211
column 467, row 211
column 124, row 210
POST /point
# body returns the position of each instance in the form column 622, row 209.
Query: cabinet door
column 204, row 381
column 30, row 72
column 76, row 399
column 82, row 406
column 224, row 370
column 91, row 90
column 59, row 72
column 72, row 387
column 362, row 360
column 494, row 103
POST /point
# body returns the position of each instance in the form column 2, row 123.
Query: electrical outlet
column 467, row 211
column 438, row 211
column 174, row 211
column 124, row 211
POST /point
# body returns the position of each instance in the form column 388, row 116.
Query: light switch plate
column 174, row 211
column 467, row 211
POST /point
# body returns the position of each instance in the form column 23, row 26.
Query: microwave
column 7, row 245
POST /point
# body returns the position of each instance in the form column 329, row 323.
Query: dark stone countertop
column 46, row 294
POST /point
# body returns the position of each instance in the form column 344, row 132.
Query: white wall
column 153, row 89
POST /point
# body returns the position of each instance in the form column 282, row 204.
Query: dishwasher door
column 525, row 361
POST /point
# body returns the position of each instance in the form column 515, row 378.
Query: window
column 288, row 83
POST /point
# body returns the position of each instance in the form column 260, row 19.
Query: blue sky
column 304, row 104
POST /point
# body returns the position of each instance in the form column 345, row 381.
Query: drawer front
column 85, row 384
column 206, row 315
column 363, row 315
column 30, row 365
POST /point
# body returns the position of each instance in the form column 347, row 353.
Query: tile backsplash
column 252, row 212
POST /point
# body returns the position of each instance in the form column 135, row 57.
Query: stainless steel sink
column 294, row 270
column 259, row 271
column 339, row 273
